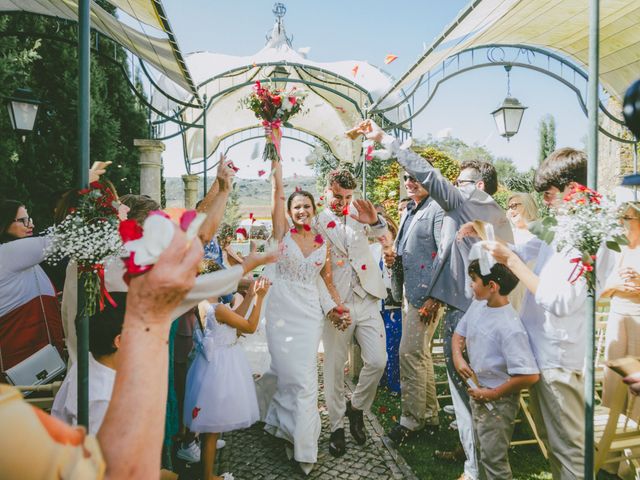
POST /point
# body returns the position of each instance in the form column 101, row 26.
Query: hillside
column 254, row 194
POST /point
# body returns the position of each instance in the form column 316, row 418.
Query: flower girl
column 220, row 394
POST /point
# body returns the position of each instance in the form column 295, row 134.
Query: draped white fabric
column 162, row 53
column 560, row 25
column 330, row 111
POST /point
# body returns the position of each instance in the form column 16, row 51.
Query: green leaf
column 287, row 124
column 611, row 245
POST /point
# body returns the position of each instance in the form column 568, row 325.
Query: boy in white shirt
column 502, row 364
column 105, row 329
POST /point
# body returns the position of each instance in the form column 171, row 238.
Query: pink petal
column 186, row 218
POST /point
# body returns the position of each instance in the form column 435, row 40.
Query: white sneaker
column 448, row 409
column 190, row 453
column 454, row 425
column 220, row 444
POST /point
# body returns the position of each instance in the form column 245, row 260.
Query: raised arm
column 215, row 200
column 440, row 189
column 225, row 315
column 280, row 225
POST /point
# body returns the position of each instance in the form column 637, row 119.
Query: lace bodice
column 294, row 267
column 216, row 333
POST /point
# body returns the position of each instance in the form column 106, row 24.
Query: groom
column 357, row 276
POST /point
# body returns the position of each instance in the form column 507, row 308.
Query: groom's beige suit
column 358, row 279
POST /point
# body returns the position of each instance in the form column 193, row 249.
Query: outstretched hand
column 97, row 169
column 365, row 212
column 370, row 130
column 225, row 172
column 429, row 310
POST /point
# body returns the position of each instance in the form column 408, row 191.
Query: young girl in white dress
column 220, row 393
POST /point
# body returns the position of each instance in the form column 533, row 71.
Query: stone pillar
column 190, row 190
column 150, row 166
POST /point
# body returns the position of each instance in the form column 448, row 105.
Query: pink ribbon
column 276, row 133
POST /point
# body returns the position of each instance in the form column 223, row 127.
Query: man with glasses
column 470, row 200
column 412, row 261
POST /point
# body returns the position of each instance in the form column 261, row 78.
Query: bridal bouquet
column 88, row 236
column 584, row 221
column 274, row 107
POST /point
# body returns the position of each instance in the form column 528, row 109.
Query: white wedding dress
column 294, row 324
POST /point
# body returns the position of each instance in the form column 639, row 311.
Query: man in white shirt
column 554, row 312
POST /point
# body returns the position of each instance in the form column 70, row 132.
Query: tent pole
column 84, row 119
column 592, row 182
column 204, row 144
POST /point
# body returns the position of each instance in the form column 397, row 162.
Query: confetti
column 433, row 255
column 298, row 189
column 369, row 155
column 307, row 228
column 363, row 267
column 331, row 224
column 422, row 267
column 321, row 197
column 389, row 58
column 319, row 239
column 261, row 173
column 318, row 264
column 194, row 412
column 288, row 339
column 355, row 69
column 340, row 263
column 340, row 109
column 293, row 230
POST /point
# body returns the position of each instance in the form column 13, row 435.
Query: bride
column 294, row 322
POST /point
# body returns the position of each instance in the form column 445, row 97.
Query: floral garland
column 583, row 222
column 274, row 107
column 88, row 236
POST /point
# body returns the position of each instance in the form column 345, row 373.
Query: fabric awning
column 558, row 25
column 162, row 53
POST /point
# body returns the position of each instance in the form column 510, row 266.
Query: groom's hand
column 366, row 212
column 429, row 310
column 340, row 317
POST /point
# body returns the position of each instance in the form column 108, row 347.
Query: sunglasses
column 26, row 221
column 462, row 181
column 409, row 178
column 513, row 206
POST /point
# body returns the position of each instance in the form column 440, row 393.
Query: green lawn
column 527, row 462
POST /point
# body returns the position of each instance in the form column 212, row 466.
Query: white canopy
column 337, row 98
column 162, row 53
column 560, row 25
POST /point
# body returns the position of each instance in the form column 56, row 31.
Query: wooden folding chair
column 525, row 416
column 616, row 432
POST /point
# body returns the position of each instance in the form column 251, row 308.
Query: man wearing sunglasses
column 470, row 199
column 411, row 263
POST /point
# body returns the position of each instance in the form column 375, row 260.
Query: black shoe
column 336, row 443
column 400, row 435
column 356, row 424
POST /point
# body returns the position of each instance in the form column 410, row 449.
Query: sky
column 358, row 30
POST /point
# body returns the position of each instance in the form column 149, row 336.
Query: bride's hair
column 301, row 193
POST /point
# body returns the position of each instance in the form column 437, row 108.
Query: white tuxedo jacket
column 350, row 252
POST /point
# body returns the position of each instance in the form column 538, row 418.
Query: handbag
column 41, row 367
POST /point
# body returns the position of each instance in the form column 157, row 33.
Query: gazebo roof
column 338, row 94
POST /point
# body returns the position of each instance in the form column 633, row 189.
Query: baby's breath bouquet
column 583, row 221
column 88, row 236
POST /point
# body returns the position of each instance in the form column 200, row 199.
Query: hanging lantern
column 509, row 114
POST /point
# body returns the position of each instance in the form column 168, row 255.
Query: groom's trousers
column 368, row 327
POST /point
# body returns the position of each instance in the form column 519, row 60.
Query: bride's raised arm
column 278, row 218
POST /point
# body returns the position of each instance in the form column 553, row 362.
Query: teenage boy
column 502, row 364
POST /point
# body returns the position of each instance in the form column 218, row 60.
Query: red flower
column 307, row 228
column 293, row 100
column 242, row 231
column 277, row 100
column 363, row 267
column 96, row 185
column 133, row 268
column 186, row 218
column 84, row 191
column 331, row 224
column 319, row 239
column 194, row 412
column 129, row 230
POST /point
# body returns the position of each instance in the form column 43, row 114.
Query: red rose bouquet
column 274, row 107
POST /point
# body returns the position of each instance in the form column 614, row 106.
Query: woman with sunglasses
column 29, row 311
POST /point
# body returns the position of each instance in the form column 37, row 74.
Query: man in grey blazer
column 412, row 262
column 469, row 200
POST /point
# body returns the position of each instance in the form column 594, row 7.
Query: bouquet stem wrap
column 95, row 288
column 272, row 148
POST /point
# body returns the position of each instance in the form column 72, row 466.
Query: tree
column 547, row 137
column 505, row 168
column 40, row 169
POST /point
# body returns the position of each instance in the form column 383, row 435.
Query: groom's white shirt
column 355, row 271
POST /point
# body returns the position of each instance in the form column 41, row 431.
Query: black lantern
column 509, row 114
column 279, row 72
column 23, row 109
